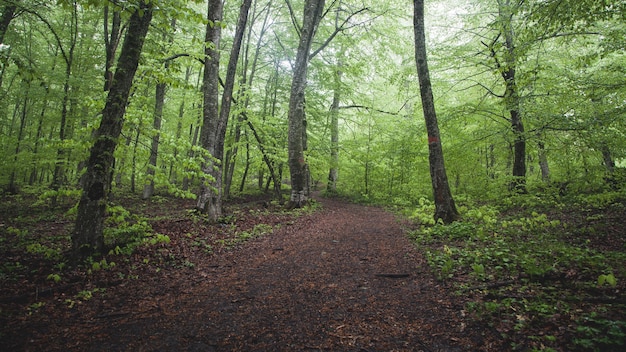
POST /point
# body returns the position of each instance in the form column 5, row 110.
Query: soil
column 343, row 278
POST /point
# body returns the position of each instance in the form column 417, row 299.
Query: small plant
column 86, row 295
column 35, row 307
column 201, row 243
column 478, row 270
column 123, row 228
column 47, row 252
column 66, row 195
column 157, row 238
column 608, row 279
column 100, row 265
column 54, row 277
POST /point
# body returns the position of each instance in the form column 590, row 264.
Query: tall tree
column 59, row 169
column 159, row 103
column 445, row 208
column 244, row 89
column 298, row 168
column 507, row 68
column 87, row 237
column 8, row 11
column 333, row 173
column 215, row 124
column 208, row 197
column 111, row 41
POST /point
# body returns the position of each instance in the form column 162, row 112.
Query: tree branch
column 176, row 56
column 337, row 30
column 294, row 20
column 369, row 108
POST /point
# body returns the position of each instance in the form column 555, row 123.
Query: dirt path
column 343, row 279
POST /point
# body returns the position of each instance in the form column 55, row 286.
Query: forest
column 132, row 128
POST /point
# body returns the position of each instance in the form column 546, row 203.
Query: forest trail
column 345, row 278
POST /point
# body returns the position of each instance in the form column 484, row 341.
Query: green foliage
column 597, row 333
column 45, row 251
column 607, row 279
column 54, row 277
column 530, row 266
column 423, row 212
column 123, row 228
column 65, row 195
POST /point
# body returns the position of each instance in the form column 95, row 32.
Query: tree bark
column 231, row 157
column 511, row 96
column 179, row 128
column 87, row 237
column 543, row 161
column 210, row 199
column 445, row 208
column 111, row 41
column 58, row 178
column 8, row 12
column 607, row 158
column 333, row 173
column 297, row 123
column 159, row 102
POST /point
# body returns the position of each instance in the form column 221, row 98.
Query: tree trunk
column 148, row 187
column 59, row 169
column 159, row 102
column 179, row 129
column 333, row 173
column 247, row 167
column 133, row 163
column 210, row 199
column 297, row 122
column 609, row 163
column 246, row 82
column 445, row 208
column 543, row 161
column 511, row 96
column 111, row 41
column 8, row 11
column 87, row 237
column 209, row 193
column 12, row 188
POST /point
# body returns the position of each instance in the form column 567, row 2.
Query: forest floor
column 337, row 277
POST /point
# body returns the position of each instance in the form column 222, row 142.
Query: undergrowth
column 541, row 282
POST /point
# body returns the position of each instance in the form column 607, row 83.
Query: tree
column 87, row 237
column 208, row 197
column 245, row 92
column 297, row 123
column 507, row 66
column 214, row 130
column 159, row 103
column 333, row 172
column 8, row 11
column 445, row 208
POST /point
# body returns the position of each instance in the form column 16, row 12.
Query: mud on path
column 345, row 278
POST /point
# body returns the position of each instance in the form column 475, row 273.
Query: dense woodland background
column 567, row 58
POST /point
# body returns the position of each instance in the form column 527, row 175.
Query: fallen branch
column 393, row 276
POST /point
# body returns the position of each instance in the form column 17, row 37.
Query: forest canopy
column 527, row 92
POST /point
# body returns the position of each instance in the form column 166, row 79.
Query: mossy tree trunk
column 87, row 237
